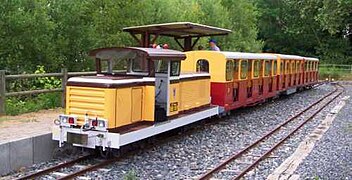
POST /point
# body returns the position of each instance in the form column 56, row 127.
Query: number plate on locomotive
column 77, row 138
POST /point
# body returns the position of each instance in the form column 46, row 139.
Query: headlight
column 67, row 120
column 98, row 124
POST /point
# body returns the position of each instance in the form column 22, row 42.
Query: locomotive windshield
column 112, row 62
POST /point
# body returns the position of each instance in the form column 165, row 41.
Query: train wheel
column 105, row 154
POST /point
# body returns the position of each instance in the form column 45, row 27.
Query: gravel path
column 189, row 155
column 332, row 155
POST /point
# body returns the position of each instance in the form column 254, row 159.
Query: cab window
column 267, row 68
column 244, row 69
column 229, row 70
column 175, row 68
column 256, row 67
column 202, row 65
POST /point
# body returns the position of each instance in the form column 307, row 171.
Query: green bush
column 23, row 104
column 20, row 105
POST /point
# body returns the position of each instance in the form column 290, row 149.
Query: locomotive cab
column 134, row 89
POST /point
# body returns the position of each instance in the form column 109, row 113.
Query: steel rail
column 223, row 164
column 89, row 168
column 56, row 167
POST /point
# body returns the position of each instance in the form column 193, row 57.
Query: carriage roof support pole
column 145, row 39
column 187, row 44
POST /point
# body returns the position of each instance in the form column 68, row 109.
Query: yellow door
column 137, row 96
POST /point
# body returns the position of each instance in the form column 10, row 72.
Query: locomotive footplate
column 75, row 138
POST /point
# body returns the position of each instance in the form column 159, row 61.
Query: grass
column 20, row 105
column 349, row 127
column 335, row 73
column 131, row 175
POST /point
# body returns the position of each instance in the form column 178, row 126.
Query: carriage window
column 287, row 67
column 229, row 70
column 317, row 66
column 202, row 66
column 306, row 65
column 256, row 68
column 236, row 69
column 244, row 69
column 293, row 67
column 275, row 68
column 267, row 68
column 282, row 67
column 298, row 69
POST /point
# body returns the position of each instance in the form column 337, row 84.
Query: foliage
column 45, row 82
column 19, row 105
column 14, row 106
column 319, row 28
column 131, row 175
column 59, row 34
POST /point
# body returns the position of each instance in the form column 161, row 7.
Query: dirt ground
column 27, row 125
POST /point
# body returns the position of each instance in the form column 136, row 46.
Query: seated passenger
column 212, row 44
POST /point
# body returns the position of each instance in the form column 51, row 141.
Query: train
column 139, row 92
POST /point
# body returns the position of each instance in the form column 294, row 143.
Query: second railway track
column 240, row 163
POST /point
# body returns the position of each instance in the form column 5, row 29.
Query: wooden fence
column 337, row 67
column 64, row 75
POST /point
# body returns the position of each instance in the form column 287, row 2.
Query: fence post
column 2, row 92
column 63, row 85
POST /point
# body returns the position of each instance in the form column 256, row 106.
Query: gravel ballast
column 331, row 157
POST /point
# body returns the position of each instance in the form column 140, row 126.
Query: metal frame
column 116, row 140
column 178, row 30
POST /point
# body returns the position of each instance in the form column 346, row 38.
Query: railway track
column 240, row 163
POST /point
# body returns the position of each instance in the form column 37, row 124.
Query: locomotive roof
column 242, row 55
column 152, row 53
column 178, row 29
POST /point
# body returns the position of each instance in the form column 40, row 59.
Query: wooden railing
column 64, row 75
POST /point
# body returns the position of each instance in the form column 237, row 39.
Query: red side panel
column 221, row 93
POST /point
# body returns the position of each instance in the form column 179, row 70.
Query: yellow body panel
column 148, row 105
column 217, row 64
column 96, row 102
column 121, row 106
column 194, row 93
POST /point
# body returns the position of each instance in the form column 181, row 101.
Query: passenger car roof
column 311, row 59
column 242, row 55
column 152, row 53
column 293, row 57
